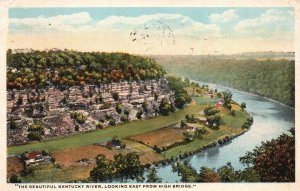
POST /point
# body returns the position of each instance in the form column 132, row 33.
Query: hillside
column 272, row 78
column 68, row 68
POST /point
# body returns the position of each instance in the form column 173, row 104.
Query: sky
column 160, row 31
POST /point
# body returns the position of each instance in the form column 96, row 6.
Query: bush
column 139, row 114
column 112, row 121
column 99, row 125
column 119, row 108
column 124, row 118
column 115, row 96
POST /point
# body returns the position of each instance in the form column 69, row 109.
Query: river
column 271, row 119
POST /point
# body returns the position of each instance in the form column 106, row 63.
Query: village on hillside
column 81, row 108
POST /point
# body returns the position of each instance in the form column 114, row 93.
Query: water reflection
column 271, row 119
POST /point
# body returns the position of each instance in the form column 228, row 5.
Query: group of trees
column 181, row 95
column 124, row 167
column 272, row 78
column 78, row 116
column 273, row 161
column 213, row 117
column 36, row 131
column 67, row 68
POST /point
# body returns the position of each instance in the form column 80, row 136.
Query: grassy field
column 205, row 100
column 122, row 131
column 49, row 173
column 236, row 121
column 161, row 137
column 211, row 137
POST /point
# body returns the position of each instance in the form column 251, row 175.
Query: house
column 220, row 103
column 34, row 157
column 189, row 129
column 109, row 144
column 202, row 119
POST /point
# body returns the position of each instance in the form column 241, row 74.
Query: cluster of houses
column 37, row 158
column 52, row 106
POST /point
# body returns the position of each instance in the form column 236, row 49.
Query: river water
column 271, row 119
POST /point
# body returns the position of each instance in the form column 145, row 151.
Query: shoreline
column 250, row 93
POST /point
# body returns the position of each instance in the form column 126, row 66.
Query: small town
column 98, row 107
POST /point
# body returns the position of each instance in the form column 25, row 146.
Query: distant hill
column 270, row 74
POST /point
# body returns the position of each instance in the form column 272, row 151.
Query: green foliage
column 211, row 110
column 116, row 141
column 152, row 176
column 164, row 107
column 243, row 105
column 78, row 116
column 186, row 172
column 119, row 108
column 227, row 95
column 99, row 125
column 181, row 95
column 274, row 160
column 225, row 173
column 103, row 170
column 14, row 179
column 124, row 118
column 139, row 114
column 248, row 123
column 208, row 175
column 271, row 78
column 112, row 122
column 36, row 131
column 67, row 68
column 128, row 166
column 13, row 124
column 115, row 96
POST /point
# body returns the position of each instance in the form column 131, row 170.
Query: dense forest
column 272, row 78
column 67, row 68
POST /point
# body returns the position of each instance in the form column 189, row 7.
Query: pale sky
column 153, row 30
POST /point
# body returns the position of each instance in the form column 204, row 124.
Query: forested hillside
column 67, row 68
column 274, row 79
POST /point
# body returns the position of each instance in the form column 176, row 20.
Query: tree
column 115, row 96
column 186, row 172
column 152, row 176
column 228, row 173
column 243, row 105
column 14, row 179
column 129, row 166
column 249, row 175
column 119, row 108
column 139, row 114
column 200, row 132
column 164, row 107
column 227, row 95
column 274, row 160
column 103, row 170
column 208, row 175
column 13, row 124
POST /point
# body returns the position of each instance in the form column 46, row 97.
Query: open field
column 161, row 137
column 122, row 131
column 70, row 157
column 56, row 175
column 147, row 154
column 209, row 138
column 205, row 100
column 14, row 166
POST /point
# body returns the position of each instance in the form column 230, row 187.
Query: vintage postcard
column 155, row 96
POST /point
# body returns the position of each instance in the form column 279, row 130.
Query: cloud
column 60, row 22
column 224, row 17
column 263, row 22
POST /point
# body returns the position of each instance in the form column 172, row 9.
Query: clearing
column 161, row 137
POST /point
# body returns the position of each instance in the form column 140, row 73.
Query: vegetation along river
column 271, row 119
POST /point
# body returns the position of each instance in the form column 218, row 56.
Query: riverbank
column 72, row 170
